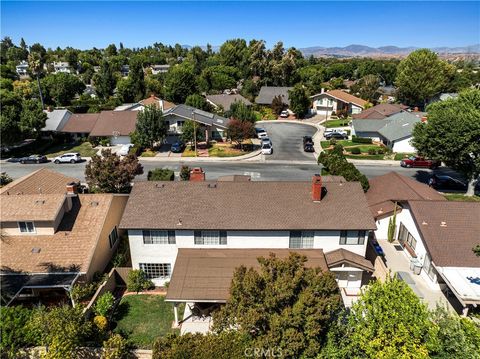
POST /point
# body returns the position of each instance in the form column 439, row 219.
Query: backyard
column 141, row 318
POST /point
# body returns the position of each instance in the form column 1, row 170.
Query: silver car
column 68, row 158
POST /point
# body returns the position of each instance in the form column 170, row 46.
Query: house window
column 404, row 236
column 113, row 237
column 159, row 237
column 156, row 270
column 301, row 239
column 180, row 124
column 428, row 268
column 210, row 237
column 26, row 227
column 352, row 237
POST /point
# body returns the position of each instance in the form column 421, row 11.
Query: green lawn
column 224, row 151
column 366, row 157
column 461, row 197
column 143, row 317
column 401, row 156
column 344, row 143
column 189, row 152
column 148, row 153
column 85, row 149
column 336, row 123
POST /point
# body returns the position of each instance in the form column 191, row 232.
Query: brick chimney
column 197, row 175
column 72, row 189
column 316, row 188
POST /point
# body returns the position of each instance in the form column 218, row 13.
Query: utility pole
column 194, row 133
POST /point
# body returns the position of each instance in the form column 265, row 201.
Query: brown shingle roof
column 340, row 256
column 449, row 244
column 226, row 101
column 153, row 100
column 248, row 205
column 81, row 123
column 42, row 181
column 109, row 122
column 206, row 274
column 380, row 111
column 30, row 207
column 69, row 249
column 386, row 189
column 346, row 97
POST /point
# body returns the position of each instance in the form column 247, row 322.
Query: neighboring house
column 325, row 103
column 56, row 120
column 215, row 126
column 268, row 93
column 159, row 69
column 22, row 69
column 387, row 93
column 52, row 236
column 444, row 96
column 61, row 66
column 80, row 125
column 379, row 112
column 327, row 215
column 90, row 91
column 124, row 70
column 394, row 131
column 224, row 101
column 115, row 125
column 152, row 100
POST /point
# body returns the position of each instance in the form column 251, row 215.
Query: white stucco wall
column 403, row 145
column 167, row 253
column 356, row 109
column 324, row 101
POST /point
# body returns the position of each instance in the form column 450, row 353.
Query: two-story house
column 22, row 69
column 52, row 236
column 61, row 66
column 337, row 101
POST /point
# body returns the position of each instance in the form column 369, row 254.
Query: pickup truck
column 415, row 161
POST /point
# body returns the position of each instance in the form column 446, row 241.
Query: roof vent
column 160, row 185
column 94, row 203
column 40, row 201
column 179, row 222
column 380, row 211
column 424, row 223
column 212, row 185
column 443, row 224
column 36, row 250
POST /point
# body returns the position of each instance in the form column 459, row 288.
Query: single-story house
column 53, row 236
column 152, row 100
column 394, row 131
column 224, row 101
column 215, row 126
column 268, row 93
column 379, row 112
column 56, row 120
column 115, row 125
column 159, row 69
column 327, row 102
column 80, row 124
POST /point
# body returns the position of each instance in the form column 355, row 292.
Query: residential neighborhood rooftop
column 190, row 113
column 267, row 93
column 56, row 119
column 225, row 101
column 81, row 123
column 30, row 207
column 279, row 205
column 110, row 123
column 398, row 126
column 380, row 111
column 344, row 96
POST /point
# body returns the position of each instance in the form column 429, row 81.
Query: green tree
column 62, row 87
column 137, row 280
column 282, row 305
column 137, row 79
column 104, row 304
column 32, row 118
column 10, row 117
column 185, row 173
column 161, row 174
column 239, row 130
column 452, row 135
column 105, row 80
column 115, row 347
column 218, row 78
column 421, row 76
column 199, row 102
column 151, row 127
column 179, row 83
column 35, row 65
column 367, row 88
column 125, row 90
column 109, row 173
column 299, row 101
column 277, row 105
column 189, row 130
column 241, row 111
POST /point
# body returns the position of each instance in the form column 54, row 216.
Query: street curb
column 374, row 162
column 248, row 156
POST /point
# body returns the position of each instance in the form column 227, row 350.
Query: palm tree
column 35, row 65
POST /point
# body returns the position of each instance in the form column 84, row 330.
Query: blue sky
column 300, row 24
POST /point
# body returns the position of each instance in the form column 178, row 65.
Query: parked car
column 415, row 161
column 284, row 114
column 336, row 135
column 68, row 158
column 267, row 149
column 30, row 159
column 177, row 147
column 266, row 140
column 308, row 147
column 261, row 132
column 443, row 182
column 125, row 149
column 307, row 139
column 332, row 130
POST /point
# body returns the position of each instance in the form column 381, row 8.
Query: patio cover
column 464, row 283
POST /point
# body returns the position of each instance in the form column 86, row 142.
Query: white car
column 266, row 140
column 68, row 158
column 267, row 149
column 261, row 133
column 332, row 130
column 125, row 149
column 284, row 114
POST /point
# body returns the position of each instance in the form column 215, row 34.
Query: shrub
column 101, row 322
column 137, row 281
column 185, row 173
column 116, row 347
column 333, row 142
column 355, row 151
column 105, row 142
column 380, row 151
column 5, row 179
column 84, row 291
column 372, row 151
column 356, row 139
column 95, row 141
column 135, row 150
column 15, row 331
column 104, row 304
column 161, row 174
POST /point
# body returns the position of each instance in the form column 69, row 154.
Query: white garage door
column 120, row 140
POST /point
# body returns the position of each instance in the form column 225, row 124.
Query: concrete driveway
column 287, row 140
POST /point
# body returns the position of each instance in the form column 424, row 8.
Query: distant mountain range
column 387, row 51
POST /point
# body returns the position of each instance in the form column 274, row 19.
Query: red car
column 419, row 162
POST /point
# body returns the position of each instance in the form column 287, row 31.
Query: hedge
column 161, row 174
column 356, row 139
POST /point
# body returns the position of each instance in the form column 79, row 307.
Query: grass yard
column 225, row 150
column 348, row 145
column 85, row 149
column 143, row 317
column 366, row 157
column 189, row 152
column 344, row 143
column 401, row 156
column 461, row 197
column 148, row 153
column 336, row 123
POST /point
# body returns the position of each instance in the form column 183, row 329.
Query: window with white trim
column 210, row 237
column 428, row 268
column 352, row 237
column 26, row 227
column 404, row 236
column 301, row 239
column 113, row 237
column 156, row 270
column 158, row 237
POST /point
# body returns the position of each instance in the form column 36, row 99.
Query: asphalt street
column 287, row 140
